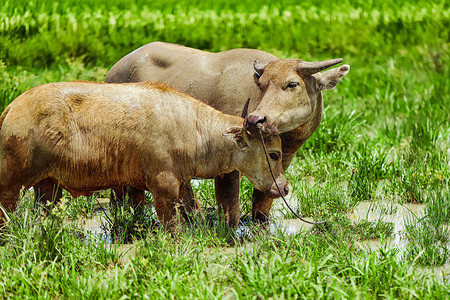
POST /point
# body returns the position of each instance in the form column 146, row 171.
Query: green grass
column 41, row 260
column 126, row 222
column 384, row 138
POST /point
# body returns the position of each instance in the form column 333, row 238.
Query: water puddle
column 398, row 215
column 292, row 226
column 94, row 226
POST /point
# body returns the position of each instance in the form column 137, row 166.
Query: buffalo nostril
column 251, row 119
column 286, row 191
column 262, row 121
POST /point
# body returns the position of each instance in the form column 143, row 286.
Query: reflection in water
column 93, row 226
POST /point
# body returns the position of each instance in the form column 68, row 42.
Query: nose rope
column 278, row 188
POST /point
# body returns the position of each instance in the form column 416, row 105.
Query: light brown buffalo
column 277, row 94
column 87, row 136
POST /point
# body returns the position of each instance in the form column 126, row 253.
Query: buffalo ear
column 329, row 79
column 239, row 136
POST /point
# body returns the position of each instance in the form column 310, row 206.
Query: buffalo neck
column 215, row 153
column 300, row 134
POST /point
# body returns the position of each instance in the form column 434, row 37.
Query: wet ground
column 398, row 215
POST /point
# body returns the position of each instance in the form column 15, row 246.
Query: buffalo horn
column 309, row 68
column 259, row 67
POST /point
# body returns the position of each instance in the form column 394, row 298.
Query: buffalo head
column 291, row 91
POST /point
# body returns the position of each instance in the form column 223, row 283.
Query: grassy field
column 385, row 138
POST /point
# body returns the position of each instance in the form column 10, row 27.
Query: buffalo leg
column 166, row 210
column 16, row 173
column 117, row 194
column 189, row 201
column 227, row 196
column 166, row 196
column 261, row 206
column 9, row 196
column 46, row 191
column 10, row 192
column 137, row 196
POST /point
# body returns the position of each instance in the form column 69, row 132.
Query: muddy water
column 399, row 215
column 93, row 226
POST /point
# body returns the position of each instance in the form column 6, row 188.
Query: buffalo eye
column 274, row 156
column 292, row 84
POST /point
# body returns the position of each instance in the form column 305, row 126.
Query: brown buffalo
column 277, row 94
column 89, row 136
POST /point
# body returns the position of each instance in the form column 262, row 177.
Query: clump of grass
column 418, row 183
column 438, row 206
column 45, row 254
column 80, row 207
column 126, row 222
column 245, row 198
column 42, row 230
column 316, row 199
column 429, row 237
column 45, row 234
column 366, row 230
column 204, row 191
column 427, row 243
column 371, row 167
column 323, row 264
column 336, row 131
column 339, row 226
